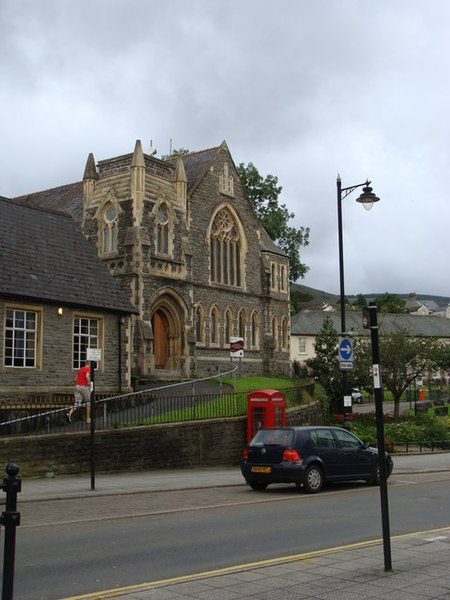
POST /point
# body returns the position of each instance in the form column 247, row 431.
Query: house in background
column 305, row 326
column 57, row 298
column 183, row 242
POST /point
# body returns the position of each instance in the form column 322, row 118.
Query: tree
column 390, row 303
column 176, row 152
column 360, row 302
column 441, row 355
column 403, row 359
column 325, row 365
column 263, row 194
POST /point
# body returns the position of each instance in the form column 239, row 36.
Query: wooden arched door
column 160, row 340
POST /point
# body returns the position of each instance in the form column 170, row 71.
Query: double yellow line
column 117, row 592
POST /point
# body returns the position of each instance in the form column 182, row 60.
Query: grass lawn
column 249, row 384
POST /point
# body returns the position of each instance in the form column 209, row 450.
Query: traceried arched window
column 225, row 249
column 162, row 230
column 110, row 229
column 255, row 330
column 214, row 325
column 200, row 324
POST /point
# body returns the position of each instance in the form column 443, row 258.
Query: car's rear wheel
column 313, row 480
column 258, row 486
column 375, row 479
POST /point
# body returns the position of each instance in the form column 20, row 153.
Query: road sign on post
column 345, row 354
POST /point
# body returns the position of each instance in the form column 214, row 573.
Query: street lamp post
column 367, row 199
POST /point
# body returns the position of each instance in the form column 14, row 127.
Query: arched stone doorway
column 160, row 328
column 168, row 325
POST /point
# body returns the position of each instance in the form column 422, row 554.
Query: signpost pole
column 94, row 355
column 92, row 426
column 378, row 389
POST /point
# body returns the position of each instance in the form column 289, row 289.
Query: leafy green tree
column 360, row 301
column 176, row 152
column 403, row 358
column 441, row 356
column 325, row 365
column 263, row 194
column 390, row 303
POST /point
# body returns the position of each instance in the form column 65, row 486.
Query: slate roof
column 45, row 257
column 196, row 165
column 310, row 323
column 66, row 198
column 69, row 198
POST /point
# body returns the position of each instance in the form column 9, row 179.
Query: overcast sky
column 303, row 89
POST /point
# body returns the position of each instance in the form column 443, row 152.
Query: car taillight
column 291, row 455
column 245, row 453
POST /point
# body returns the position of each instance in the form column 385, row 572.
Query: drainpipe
column 119, row 343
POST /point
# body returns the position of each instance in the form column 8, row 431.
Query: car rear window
column 273, row 437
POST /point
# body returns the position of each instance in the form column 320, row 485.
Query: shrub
column 404, row 429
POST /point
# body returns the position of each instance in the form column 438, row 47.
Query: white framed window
column 21, row 338
column 302, row 345
column 87, row 333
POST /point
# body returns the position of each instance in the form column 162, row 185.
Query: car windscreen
column 273, row 437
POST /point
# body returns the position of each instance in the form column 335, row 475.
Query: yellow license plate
column 261, row 469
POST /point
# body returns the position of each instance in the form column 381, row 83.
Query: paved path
column 420, row 561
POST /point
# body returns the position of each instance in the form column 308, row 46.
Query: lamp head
column 367, row 198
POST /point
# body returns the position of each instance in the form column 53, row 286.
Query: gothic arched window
column 214, row 325
column 228, row 326
column 200, row 324
column 275, row 332
column 284, row 333
column 255, row 330
column 242, row 323
column 225, row 249
column 110, row 229
column 162, row 230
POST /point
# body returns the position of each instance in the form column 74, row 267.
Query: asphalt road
column 71, row 546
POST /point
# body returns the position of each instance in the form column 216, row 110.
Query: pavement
column 420, row 560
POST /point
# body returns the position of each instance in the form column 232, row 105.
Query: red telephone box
column 265, row 408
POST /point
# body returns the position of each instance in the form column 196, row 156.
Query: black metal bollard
column 10, row 519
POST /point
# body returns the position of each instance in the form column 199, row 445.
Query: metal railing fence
column 164, row 404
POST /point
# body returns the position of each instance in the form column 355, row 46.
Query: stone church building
column 183, row 241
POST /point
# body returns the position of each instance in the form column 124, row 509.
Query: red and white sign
column 237, row 346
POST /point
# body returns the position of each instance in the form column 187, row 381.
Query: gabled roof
column 310, row 323
column 45, row 257
column 196, row 164
column 66, row 198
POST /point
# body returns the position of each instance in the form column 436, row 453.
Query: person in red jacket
column 82, row 392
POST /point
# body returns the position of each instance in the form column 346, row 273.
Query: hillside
column 305, row 294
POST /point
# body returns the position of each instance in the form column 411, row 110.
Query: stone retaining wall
column 209, row 443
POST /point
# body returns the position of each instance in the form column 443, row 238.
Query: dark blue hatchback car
column 309, row 457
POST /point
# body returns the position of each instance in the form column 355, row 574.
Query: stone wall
column 209, row 443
